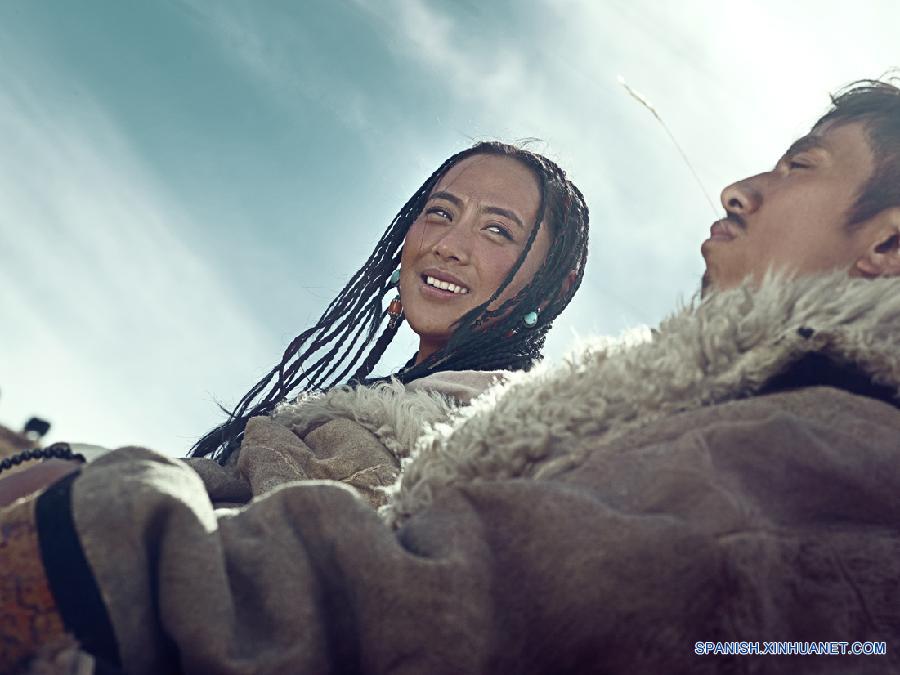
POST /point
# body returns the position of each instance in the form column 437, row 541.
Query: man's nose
column 742, row 197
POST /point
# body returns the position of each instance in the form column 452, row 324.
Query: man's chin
column 709, row 283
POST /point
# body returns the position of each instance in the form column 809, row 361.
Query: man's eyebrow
column 448, row 196
column 805, row 143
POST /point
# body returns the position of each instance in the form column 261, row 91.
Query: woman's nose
column 454, row 244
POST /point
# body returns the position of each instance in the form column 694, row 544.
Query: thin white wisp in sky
column 645, row 103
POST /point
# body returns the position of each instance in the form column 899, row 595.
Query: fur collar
column 394, row 412
column 722, row 348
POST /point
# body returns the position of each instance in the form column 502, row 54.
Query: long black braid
column 484, row 339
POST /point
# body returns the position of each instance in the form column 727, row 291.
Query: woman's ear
column 882, row 255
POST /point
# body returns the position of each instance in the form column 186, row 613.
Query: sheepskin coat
column 732, row 477
column 358, row 436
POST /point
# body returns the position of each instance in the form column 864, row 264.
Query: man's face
column 793, row 218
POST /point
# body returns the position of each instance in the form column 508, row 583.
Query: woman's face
column 459, row 250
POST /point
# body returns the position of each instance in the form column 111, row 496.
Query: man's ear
column 882, row 255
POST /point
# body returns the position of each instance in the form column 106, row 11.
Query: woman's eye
column 439, row 212
column 499, row 229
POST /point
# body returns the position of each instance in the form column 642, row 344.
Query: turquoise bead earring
column 530, row 320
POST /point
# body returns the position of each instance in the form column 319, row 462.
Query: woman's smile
column 440, row 284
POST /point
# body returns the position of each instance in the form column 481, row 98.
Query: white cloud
column 113, row 328
column 278, row 55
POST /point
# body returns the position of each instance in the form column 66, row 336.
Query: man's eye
column 799, row 164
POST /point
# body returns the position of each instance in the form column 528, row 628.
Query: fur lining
column 394, row 414
column 722, row 348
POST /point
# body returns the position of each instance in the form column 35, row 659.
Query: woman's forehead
column 495, row 178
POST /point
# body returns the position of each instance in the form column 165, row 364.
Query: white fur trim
column 395, row 415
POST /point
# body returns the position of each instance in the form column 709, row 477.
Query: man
column 731, row 485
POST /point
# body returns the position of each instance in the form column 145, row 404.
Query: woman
column 482, row 258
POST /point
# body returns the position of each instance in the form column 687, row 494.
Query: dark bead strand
column 55, row 451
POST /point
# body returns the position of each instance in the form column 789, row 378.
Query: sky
column 185, row 184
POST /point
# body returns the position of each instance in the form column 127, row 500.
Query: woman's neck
column 427, row 348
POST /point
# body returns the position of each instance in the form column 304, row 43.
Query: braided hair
column 324, row 355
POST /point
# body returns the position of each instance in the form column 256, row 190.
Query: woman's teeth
column 446, row 286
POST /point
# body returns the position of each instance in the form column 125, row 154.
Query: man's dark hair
column 876, row 104
column 324, row 356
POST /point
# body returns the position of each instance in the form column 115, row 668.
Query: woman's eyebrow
column 506, row 213
column 448, row 196
column 496, row 210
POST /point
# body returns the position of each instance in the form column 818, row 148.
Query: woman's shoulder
column 461, row 385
